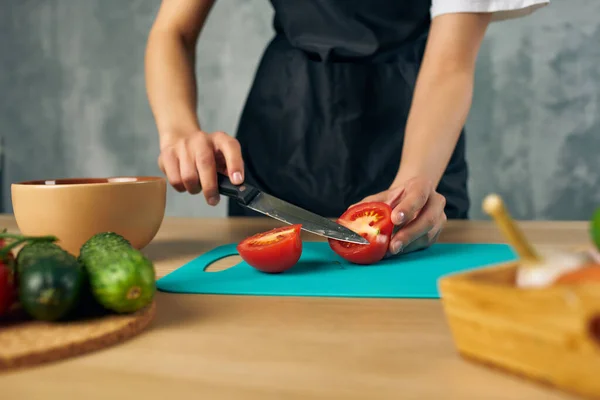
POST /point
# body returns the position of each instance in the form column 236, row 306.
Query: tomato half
column 273, row 251
column 368, row 220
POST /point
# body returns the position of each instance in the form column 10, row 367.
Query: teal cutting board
column 321, row 272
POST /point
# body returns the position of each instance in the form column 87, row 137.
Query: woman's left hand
column 417, row 213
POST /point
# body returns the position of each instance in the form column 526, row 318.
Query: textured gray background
column 73, row 101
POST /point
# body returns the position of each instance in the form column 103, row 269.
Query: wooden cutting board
column 25, row 343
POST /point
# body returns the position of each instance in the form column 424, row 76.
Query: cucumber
column 50, row 286
column 122, row 279
column 17, row 240
column 31, row 252
column 106, row 241
column 88, row 306
column 595, row 228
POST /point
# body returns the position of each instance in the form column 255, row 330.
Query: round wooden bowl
column 76, row 209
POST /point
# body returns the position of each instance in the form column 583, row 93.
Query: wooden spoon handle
column 494, row 206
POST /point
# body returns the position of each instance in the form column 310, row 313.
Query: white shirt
column 501, row 9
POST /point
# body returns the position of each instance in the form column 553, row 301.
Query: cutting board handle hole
column 594, row 328
column 223, row 263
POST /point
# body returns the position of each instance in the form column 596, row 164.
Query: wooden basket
column 551, row 335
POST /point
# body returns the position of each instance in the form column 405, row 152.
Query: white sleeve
column 500, row 9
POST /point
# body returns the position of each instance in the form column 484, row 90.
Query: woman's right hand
column 191, row 162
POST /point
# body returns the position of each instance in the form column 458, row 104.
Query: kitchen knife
column 254, row 199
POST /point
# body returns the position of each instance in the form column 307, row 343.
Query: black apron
column 323, row 125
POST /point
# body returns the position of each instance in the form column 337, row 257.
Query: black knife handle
column 243, row 193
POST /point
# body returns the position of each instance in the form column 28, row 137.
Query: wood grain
column 250, row 347
column 546, row 334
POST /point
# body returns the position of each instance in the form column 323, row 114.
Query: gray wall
column 73, row 101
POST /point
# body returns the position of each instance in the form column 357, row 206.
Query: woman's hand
column 439, row 109
column 417, row 212
column 191, row 162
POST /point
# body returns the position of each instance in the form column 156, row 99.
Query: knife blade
column 264, row 203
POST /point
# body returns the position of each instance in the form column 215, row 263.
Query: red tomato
column 8, row 292
column 368, row 220
column 273, row 251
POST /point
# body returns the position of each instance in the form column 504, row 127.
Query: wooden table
column 234, row 347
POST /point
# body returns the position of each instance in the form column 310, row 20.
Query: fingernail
column 213, row 201
column 237, row 178
column 396, row 247
column 381, row 239
column 400, row 217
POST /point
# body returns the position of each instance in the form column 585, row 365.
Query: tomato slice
column 368, row 220
column 272, row 251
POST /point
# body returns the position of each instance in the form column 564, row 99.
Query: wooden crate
column 550, row 335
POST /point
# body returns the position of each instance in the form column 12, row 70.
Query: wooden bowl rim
column 469, row 279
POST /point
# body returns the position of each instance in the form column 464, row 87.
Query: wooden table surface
column 247, row 347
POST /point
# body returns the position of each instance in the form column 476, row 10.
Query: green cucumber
column 87, row 305
column 16, row 240
column 122, row 279
column 595, row 228
column 50, row 287
column 31, row 252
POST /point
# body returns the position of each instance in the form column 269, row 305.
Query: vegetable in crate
column 121, row 277
column 586, row 273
